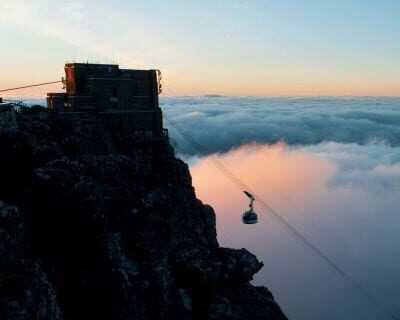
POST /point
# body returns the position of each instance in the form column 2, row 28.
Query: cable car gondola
column 250, row 217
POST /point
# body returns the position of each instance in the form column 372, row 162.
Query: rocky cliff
column 101, row 224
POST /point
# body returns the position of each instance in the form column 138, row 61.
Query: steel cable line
column 289, row 228
column 31, row 86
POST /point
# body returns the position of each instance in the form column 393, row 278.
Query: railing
column 159, row 81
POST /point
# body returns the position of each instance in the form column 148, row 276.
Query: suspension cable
column 31, row 86
column 279, row 218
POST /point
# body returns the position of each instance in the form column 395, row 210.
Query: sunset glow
column 276, row 172
column 317, row 190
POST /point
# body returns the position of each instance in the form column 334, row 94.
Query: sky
column 229, row 47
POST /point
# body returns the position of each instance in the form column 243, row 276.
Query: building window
column 114, row 92
column 114, row 105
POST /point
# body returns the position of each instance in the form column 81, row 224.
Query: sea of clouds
column 330, row 166
column 222, row 123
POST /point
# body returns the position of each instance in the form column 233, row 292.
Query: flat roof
column 91, row 65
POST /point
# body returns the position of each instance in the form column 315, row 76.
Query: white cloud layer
column 330, row 166
column 220, row 124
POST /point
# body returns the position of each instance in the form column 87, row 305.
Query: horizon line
column 213, row 95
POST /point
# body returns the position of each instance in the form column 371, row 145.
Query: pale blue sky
column 254, row 47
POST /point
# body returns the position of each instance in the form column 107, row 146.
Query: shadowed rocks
column 106, row 225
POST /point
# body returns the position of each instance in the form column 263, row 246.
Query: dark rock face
column 106, row 225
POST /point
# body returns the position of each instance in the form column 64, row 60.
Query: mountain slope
column 104, row 224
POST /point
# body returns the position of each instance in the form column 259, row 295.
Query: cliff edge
column 101, row 224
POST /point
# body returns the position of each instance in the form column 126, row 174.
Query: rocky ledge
column 102, row 224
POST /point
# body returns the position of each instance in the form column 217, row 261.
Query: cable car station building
column 123, row 98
